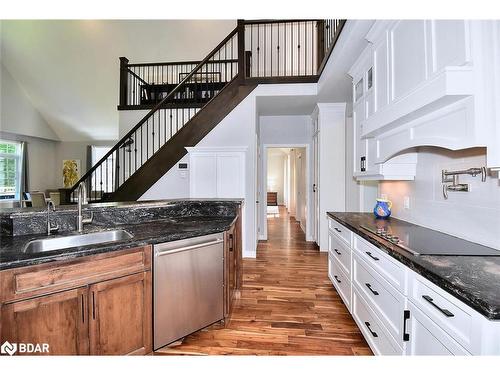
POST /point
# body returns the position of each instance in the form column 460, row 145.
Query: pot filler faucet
column 82, row 199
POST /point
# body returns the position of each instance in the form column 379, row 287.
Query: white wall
column 17, row 113
column 473, row 215
column 276, row 173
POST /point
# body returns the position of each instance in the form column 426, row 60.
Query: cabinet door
column 59, row 320
column 426, row 338
column 450, row 43
column 381, row 73
column 409, row 57
column 203, row 175
column 230, row 175
column 359, row 144
column 120, row 315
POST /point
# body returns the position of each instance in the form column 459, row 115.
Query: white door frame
column 263, row 187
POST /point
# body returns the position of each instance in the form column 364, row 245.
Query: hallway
column 288, row 305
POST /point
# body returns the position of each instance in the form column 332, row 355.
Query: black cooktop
column 423, row 241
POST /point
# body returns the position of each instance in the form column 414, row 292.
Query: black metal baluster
column 135, row 151
column 298, row 49
column 170, row 124
column 278, row 48
column 305, row 48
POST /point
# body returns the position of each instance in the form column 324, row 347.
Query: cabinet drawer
column 379, row 340
column 27, row 282
column 340, row 251
column 383, row 298
column 393, row 271
column 340, row 231
column 447, row 312
column 340, row 281
column 426, row 338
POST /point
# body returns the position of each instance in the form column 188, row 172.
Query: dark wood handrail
column 170, row 63
column 155, row 108
column 264, row 21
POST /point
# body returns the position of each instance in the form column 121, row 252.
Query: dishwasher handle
column 186, row 248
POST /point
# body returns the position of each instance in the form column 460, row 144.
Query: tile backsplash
column 473, row 215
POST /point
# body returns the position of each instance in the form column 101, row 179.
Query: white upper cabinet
column 408, row 57
column 370, row 91
column 450, row 44
column 425, row 83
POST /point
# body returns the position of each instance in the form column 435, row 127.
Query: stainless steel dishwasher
column 188, row 286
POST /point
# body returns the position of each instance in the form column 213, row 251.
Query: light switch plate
column 406, row 202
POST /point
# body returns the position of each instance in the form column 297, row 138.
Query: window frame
column 18, row 157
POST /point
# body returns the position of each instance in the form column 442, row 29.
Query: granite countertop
column 475, row 280
column 146, row 233
column 71, row 208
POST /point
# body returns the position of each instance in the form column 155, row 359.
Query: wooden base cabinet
column 59, row 320
column 101, row 305
column 120, row 315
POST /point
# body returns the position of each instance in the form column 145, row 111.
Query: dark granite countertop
column 150, row 222
column 158, row 231
column 475, row 280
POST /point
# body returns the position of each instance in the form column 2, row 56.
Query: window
column 10, row 170
column 103, row 178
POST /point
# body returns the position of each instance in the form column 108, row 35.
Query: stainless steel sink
column 58, row 243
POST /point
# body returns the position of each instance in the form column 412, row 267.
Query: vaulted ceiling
column 69, row 69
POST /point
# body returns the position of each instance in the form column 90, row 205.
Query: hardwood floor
column 288, row 305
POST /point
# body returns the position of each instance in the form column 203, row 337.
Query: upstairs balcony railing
column 265, row 51
column 271, row 51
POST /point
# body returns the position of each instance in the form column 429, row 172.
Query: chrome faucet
column 82, row 199
column 50, row 228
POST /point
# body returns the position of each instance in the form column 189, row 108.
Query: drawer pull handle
column 338, row 230
column 336, row 278
column 372, row 256
column 406, row 316
column 374, row 334
column 371, row 290
column 448, row 313
column 338, row 252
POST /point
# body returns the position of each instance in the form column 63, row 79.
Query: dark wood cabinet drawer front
column 27, row 282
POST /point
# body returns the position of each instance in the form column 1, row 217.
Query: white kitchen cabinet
column 427, row 338
column 435, row 83
column 329, row 146
column 368, row 95
column 374, row 331
column 217, row 172
column 399, row 311
column 408, row 57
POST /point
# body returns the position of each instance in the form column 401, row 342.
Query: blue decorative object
column 382, row 209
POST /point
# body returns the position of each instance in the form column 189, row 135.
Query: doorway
column 285, row 186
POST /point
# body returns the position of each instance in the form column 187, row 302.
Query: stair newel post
column 320, row 30
column 241, row 50
column 123, row 81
